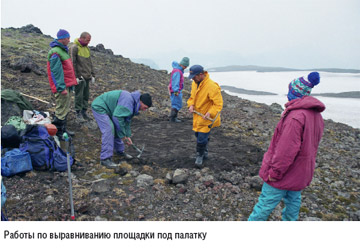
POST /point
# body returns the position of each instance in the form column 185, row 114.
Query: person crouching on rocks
column 207, row 100
column 289, row 163
column 113, row 112
column 175, row 87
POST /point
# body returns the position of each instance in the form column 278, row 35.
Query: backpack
column 15, row 162
column 10, row 137
column 44, row 152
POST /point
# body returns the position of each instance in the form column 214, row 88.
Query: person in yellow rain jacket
column 206, row 99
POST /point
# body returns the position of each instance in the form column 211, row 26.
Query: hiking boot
column 79, row 116
column 199, row 161
column 108, row 163
column 125, row 155
column 84, row 114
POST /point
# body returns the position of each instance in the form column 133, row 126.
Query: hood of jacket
column 306, row 102
column 176, row 65
column 56, row 43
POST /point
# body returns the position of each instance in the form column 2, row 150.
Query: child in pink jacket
column 288, row 165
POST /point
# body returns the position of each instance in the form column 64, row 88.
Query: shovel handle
column 202, row 115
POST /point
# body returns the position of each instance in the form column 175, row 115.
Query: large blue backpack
column 44, row 152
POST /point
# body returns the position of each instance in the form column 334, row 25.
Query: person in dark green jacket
column 84, row 72
column 113, row 112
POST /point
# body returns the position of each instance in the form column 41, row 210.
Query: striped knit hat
column 300, row 87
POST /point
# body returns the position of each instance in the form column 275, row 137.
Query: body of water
column 345, row 110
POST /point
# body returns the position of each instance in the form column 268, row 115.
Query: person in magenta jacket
column 289, row 163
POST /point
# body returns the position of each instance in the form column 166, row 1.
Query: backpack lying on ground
column 45, row 153
column 10, row 137
column 15, row 162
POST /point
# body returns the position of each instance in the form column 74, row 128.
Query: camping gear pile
column 28, row 142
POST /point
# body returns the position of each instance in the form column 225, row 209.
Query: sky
column 288, row 33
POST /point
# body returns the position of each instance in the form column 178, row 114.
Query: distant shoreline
column 276, row 69
column 244, row 91
column 349, row 94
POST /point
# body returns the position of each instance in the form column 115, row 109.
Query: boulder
column 180, row 176
column 144, row 180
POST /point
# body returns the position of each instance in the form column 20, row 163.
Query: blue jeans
column 202, row 138
column 270, row 197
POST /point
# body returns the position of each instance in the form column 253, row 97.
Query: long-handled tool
column 66, row 138
column 140, row 151
column 208, row 118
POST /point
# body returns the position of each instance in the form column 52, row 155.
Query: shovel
column 66, row 138
column 208, row 118
column 140, row 151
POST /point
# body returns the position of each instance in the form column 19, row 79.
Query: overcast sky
column 287, row 33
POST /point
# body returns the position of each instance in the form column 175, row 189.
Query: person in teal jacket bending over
column 113, row 112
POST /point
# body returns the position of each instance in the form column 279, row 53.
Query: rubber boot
column 176, row 114
column 69, row 132
column 200, row 150
column 79, row 116
column 60, row 127
column 84, row 114
column 173, row 116
column 206, row 152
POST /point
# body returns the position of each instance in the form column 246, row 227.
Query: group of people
column 287, row 167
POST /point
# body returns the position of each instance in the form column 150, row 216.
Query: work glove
column 92, row 80
column 80, row 79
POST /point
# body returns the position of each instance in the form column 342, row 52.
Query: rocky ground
column 164, row 184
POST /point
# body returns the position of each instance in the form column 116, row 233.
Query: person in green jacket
column 61, row 77
column 84, row 72
column 113, row 112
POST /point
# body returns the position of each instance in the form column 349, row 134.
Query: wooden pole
column 35, row 98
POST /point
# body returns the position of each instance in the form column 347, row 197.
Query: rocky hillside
column 163, row 184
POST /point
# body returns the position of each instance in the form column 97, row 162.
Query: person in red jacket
column 289, row 163
column 61, row 77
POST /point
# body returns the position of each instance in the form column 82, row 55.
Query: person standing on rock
column 113, row 112
column 175, row 87
column 206, row 99
column 289, row 163
column 84, row 72
column 61, row 77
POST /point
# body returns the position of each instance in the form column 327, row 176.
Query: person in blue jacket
column 175, row 87
column 113, row 112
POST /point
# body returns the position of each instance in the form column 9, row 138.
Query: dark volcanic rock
column 27, row 65
column 30, row 29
